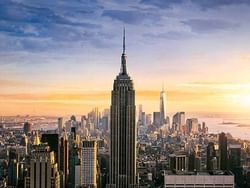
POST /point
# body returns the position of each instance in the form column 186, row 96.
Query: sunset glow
column 64, row 63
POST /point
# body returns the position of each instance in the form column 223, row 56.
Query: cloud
column 162, row 3
column 37, row 27
column 219, row 85
column 14, row 83
column 170, row 35
column 130, row 16
column 203, row 4
column 209, row 25
column 21, row 13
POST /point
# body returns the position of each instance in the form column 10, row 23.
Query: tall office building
column 43, row 170
column 83, row 122
column 13, row 168
column 140, row 113
column 89, row 164
column 234, row 156
column 94, row 117
column 163, row 109
column 75, row 162
column 192, row 126
column 157, row 118
column 53, row 142
column 141, row 116
column 123, row 130
column 223, row 151
column 148, row 119
column 64, row 159
column 211, row 156
column 179, row 121
column 61, row 125
column 27, row 127
column 234, row 163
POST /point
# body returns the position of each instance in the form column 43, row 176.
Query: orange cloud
column 65, row 103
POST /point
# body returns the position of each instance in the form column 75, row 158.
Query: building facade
column 89, row 164
column 223, row 151
column 199, row 180
column 43, row 170
column 123, row 130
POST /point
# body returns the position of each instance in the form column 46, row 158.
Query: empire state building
column 123, row 130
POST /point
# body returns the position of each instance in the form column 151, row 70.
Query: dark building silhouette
column 27, row 128
column 223, row 151
column 13, row 168
column 103, row 161
column 156, row 118
column 234, row 163
column 74, row 165
column 234, row 156
column 191, row 161
column 123, row 130
column 210, row 156
column 53, row 142
column 64, row 158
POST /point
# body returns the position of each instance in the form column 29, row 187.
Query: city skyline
column 54, row 54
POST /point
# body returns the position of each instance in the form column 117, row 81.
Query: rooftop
column 199, row 173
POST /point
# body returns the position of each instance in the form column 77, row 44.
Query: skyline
column 59, row 58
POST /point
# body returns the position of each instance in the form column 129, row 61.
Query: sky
column 60, row 57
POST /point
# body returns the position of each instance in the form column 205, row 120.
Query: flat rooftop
column 199, row 173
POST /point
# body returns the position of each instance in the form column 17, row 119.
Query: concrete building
column 192, row 126
column 89, row 164
column 178, row 162
column 27, row 127
column 179, row 122
column 157, row 118
column 61, row 125
column 43, row 170
column 217, row 179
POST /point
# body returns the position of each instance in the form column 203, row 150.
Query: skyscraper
column 192, row 126
column 64, row 157
column 223, row 151
column 123, row 130
column 211, row 155
column 13, row 168
column 234, row 156
column 163, row 106
column 157, row 118
column 75, row 162
column 27, row 127
column 43, row 170
column 179, row 121
column 89, row 163
column 53, row 142
column 140, row 112
column 61, row 125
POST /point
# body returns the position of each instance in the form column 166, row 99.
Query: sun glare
column 242, row 99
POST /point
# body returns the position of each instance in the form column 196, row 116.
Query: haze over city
column 58, row 58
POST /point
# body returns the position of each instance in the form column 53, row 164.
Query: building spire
column 123, row 41
column 124, row 57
